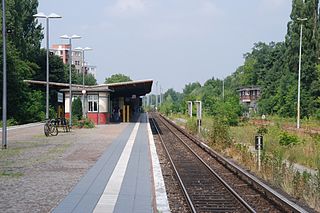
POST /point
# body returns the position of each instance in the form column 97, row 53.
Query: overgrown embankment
column 290, row 159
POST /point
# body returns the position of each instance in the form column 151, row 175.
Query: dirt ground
column 37, row 172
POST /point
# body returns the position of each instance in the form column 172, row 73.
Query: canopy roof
column 122, row 89
column 127, row 89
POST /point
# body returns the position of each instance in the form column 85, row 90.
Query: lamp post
column 157, row 96
column 299, row 72
column 70, row 63
column 4, row 90
column 83, row 70
column 42, row 15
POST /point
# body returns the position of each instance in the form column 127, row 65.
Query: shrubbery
column 219, row 132
column 288, row 139
column 86, row 123
column 77, row 108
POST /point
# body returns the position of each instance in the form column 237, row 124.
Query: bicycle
column 50, row 128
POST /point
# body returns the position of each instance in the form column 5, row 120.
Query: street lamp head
column 75, row 37
column 302, row 19
column 40, row 15
column 70, row 37
column 54, row 15
column 83, row 49
column 65, row 37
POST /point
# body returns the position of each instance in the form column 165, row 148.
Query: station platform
column 126, row 178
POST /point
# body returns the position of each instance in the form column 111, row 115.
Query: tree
column 23, row 47
column 58, row 72
column 77, row 108
column 188, row 88
column 89, row 79
column 77, row 78
column 116, row 78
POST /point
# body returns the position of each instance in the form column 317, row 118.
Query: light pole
column 157, row 96
column 299, row 72
column 70, row 63
column 4, row 90
column 42, row 15
column 160, row 95
column 83, row 70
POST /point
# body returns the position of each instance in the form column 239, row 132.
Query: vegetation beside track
column 290, row 159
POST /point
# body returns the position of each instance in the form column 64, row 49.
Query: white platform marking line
column 110, row 195
column 160, row 189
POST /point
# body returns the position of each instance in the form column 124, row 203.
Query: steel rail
column 185, row 193
column 249, row 178
column 229, row 188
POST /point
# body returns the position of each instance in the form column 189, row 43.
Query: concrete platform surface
column 122, row 180
column 37, row 172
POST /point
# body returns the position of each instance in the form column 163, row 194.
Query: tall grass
column 282, row 148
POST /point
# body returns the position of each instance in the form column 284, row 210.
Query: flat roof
column 129, row 88
column 121, row 89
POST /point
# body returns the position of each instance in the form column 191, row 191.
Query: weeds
column 85, row 123
column 288, row 139
column 282, row 148
column 11, row 174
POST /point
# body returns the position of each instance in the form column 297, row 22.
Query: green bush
column 192, row 125
column 10, row 122
column 262, row 130
column 288, row 139
column 219, row 132
column 86, row 123
column 77, row 108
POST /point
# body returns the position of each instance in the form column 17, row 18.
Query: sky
column 174, row 42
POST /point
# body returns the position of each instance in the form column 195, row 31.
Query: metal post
column 47, row 72
column 199, row 115
column 42, row 15
column 70, row 91
column 157, row 96
column 4, row 91
column 259, row 153
column 160, row 95
column 190, row 108
column 299, row 77
column 83, row 68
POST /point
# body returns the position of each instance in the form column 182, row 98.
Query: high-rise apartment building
column 62, row 50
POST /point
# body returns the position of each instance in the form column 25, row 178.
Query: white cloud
column 126, row 7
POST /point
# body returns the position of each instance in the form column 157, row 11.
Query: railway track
column 209, row 182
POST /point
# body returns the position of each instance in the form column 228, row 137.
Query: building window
column 93, row 103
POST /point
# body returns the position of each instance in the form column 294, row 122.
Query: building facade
column 62, row 50
column 249, row 96
column 96, row 103
column 105, row 103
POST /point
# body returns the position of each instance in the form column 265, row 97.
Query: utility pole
column 299, row 72
column 157, row 95
column 4, row 90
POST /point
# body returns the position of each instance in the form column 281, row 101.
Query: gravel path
column 37, row 172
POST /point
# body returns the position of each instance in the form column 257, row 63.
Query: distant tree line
column 274, row 68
